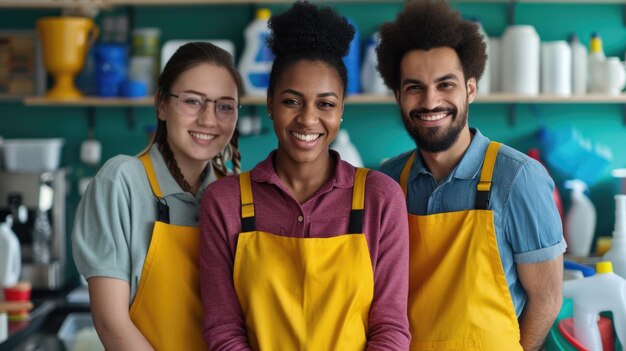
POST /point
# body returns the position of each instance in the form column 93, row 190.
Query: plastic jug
column 256, row 60
column 580, row 221
column 605, row 291
column 579, row 65
column 617, row 253
column 346, row 149
column 10, row 256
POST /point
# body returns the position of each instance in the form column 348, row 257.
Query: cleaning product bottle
column 346, row 149
column 579, row 65
column 617, row 253
column 595, row 77
column 371, row 81
column 10, row 256
column 351, row 60
column 484, row 85
column 580, row 221
column 604, row 291
column 257, row 58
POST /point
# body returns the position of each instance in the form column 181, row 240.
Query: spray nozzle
column 576, row 186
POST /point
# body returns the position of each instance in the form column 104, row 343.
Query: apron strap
column 247, row 204
column 404, row 176
column 163, row 210
column 483, row 190
column 358, row 199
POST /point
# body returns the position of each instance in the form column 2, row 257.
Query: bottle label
column 264, row 54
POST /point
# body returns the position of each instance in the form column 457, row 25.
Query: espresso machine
column 37, row 202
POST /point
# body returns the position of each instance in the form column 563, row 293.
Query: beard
column 436, row 139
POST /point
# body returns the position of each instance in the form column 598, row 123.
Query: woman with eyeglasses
column 135, row 237
column 305, row 251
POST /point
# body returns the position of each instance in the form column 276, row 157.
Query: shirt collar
column 167, row 183
column 343, row 177
column 470, row 163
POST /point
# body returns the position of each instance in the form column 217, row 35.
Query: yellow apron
column 458, row 294
column 304, row 293
column 167, row 309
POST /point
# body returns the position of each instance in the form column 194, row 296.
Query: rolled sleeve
column 532, row 222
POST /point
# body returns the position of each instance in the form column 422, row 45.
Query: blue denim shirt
column 527, row 223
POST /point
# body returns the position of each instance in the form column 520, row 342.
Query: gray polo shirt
column 116, row 215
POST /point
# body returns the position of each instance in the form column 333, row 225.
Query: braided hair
column 308, row 32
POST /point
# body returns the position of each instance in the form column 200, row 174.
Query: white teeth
column 202, row 136
column 433, row 117
column 306, row 137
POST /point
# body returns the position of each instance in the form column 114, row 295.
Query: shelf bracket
column 130, row 117
column 511, row 112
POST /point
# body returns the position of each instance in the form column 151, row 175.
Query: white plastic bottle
column 595, row 77
column 10, row 256
column 604, row 291
column 256, row 60
column 371, row 81
column 580, row 221
column 484, row 84
column 617, row 253
column 579, row 65
column 346, row 149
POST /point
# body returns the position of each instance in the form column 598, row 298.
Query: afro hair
column 424, row 25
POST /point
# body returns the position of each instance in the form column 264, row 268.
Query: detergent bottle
column 617, row 253
column 10, row 256
column 580, row 221
column 257, row 58
column 346, row 149
column 604, row 291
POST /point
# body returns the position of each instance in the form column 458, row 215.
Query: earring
column 341, row 121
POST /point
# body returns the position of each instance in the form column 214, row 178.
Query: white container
column 371, row 81
column 579, row 66
column 614, row 76
column 520, row 60
column 495, row 64
column 78, row 333
column 484, row 84
column 604, row 291
column 10, row 256
column 580, row 221
column 595, row 77
column 32, row 155
column 347, row 151
column 256, row 60
column 556, row 68
column 617, row 253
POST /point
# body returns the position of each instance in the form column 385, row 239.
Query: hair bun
column 305, row 27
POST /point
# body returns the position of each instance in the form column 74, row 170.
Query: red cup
column 19, row 292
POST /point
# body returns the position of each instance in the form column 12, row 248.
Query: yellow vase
column 65, row 41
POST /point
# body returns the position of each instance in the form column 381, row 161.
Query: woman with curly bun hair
column 305, row 251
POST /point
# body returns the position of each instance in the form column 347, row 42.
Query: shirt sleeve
column 532, row 222
column 224, row 325
column 99, row 237
column 388, row 321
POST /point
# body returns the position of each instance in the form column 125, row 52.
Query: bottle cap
column 263, row 14
column 604, row 267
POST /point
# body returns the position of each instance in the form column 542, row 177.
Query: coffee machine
column 34, row 198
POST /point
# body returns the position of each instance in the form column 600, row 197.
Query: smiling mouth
column 305, row 137
column 202, row 136
column 430, row 117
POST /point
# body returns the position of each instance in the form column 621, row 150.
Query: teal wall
column 376, row 130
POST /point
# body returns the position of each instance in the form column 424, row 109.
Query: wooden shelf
column 352, row 99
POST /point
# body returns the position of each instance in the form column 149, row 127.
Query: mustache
column 416, row 112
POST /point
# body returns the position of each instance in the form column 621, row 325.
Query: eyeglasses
column 193, row 105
